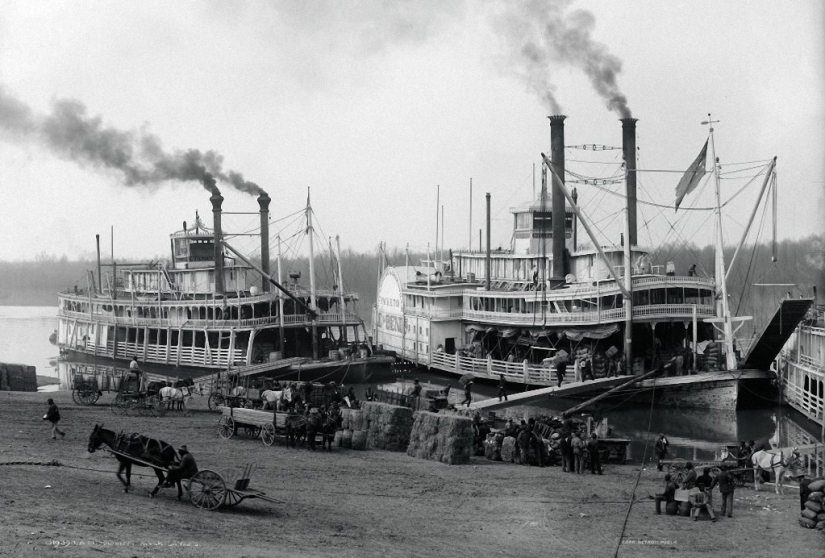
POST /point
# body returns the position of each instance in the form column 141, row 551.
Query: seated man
column 669, row 495
column 186, row 469
column 701, row 501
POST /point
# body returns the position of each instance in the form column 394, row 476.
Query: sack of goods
column 508, row 449
column 813, row 515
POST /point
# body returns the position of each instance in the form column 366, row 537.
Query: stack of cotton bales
column 387, row 426
column 443, row 438
column 813, row 516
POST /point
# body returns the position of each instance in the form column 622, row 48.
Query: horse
column 313, row 426
column 176, row 397
column 156, row 454
column 272, row 399
column 765, row 460
column 296, row 429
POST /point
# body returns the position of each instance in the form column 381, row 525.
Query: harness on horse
column 126, row 442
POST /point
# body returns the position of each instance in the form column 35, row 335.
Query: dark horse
column 296, row 429
column 321, row 423
column 155, row 452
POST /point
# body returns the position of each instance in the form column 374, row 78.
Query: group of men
column 583, row 368
column 574, row 450
column 700, row 488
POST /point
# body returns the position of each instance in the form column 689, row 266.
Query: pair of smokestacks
column 557, row 199
column 217, row 202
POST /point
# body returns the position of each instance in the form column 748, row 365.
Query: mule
column 765, row 461
column 296, row 429
column 273, row 399
column 156, row 454
column 175, row 398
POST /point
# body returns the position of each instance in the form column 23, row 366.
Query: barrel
column 275, row 355
column 333, row 354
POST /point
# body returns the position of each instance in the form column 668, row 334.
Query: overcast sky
column 374, row 104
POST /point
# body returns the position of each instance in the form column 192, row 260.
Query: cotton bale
column 815, row 507
column 346, row 438
column 807, row 523
column 508, row 449
column 359, row 440
column 817, row 486
column 809, row 514
column 815, row 497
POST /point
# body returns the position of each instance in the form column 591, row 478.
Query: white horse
column 171, row 396
column 272, row 398
column 765, row 461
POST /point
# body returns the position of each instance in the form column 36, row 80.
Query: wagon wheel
column 118, row 405
column 268, row 434
column 76, row 396
column 230, row 478
column 158, row 406
column 207, row 489
column 215, row 401
column 678, row 471
column 226, row 427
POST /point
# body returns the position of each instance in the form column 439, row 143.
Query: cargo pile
column 813, row 516
column 353, row 433
column 500, row 447
column 387, row 427
column 17, row 377
column 443, row 438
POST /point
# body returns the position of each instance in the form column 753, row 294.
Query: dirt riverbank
column 344, row 503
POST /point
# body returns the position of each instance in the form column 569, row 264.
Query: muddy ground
column 345, row 503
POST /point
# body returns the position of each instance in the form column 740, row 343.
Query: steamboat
column 513, row 312
column 211, row 309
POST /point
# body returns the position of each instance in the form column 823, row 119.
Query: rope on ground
column 639, row 476
column 52, row 463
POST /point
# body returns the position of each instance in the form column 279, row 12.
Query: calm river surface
column 693, row 434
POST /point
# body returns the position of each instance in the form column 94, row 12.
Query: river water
column 693, row 434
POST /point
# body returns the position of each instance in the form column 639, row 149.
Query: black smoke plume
column 71, row 133
column 541, row 36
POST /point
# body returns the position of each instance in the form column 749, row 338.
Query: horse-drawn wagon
column 269, row 425
column 88, row 382
column 135, row 399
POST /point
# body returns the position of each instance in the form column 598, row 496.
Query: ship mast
column 341, row 290
column 722, row 307
column 312, row 305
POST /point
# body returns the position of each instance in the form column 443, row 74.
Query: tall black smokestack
column 557, row 199
column 263, row 201
column 629, row 148
column 217, row 200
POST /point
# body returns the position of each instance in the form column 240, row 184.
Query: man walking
column 53, row 416
column 595, row 458
column 587, row 369
column 726, row 486
column 468, row 394
column 669, row 495
column 661, row 450
column 561, row 369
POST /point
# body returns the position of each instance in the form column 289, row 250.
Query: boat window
column 641, row 298
column 706, row 297
column 675, row 296
column 657, row 296
column 542, row 224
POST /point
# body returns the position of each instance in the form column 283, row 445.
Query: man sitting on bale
column 691, row 478
column 701, row 501
column 669, row 495
column 185, row 470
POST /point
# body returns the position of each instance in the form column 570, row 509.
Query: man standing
column 669, row 495
column 502, row 387
column 578, row 451
column 595, row 458
column 566, row 447
column 53, row 416
column 661, row 450
column 706, row 481
column 611, row 367
column 587, row 369
column 803, row 480
column 726, row 486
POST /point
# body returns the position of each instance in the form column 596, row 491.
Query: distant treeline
column 799, row 262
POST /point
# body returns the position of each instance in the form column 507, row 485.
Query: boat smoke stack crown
column 557, row 197
column 217, row 202
column 263, row 201
column 629, row 149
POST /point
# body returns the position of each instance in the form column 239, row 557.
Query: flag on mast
column 692, row 176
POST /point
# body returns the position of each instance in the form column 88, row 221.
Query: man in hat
column 53, row 416
column 661, row 450
column 186, row 469
column 669, row 495
column 593, row 451
column 561, row 370
column 502, row 387
column 726, row 486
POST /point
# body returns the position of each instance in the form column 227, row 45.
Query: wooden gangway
column 254, row 369
column 546, row 393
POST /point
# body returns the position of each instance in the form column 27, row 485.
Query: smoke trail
column 72, row 134
column 540, row 37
